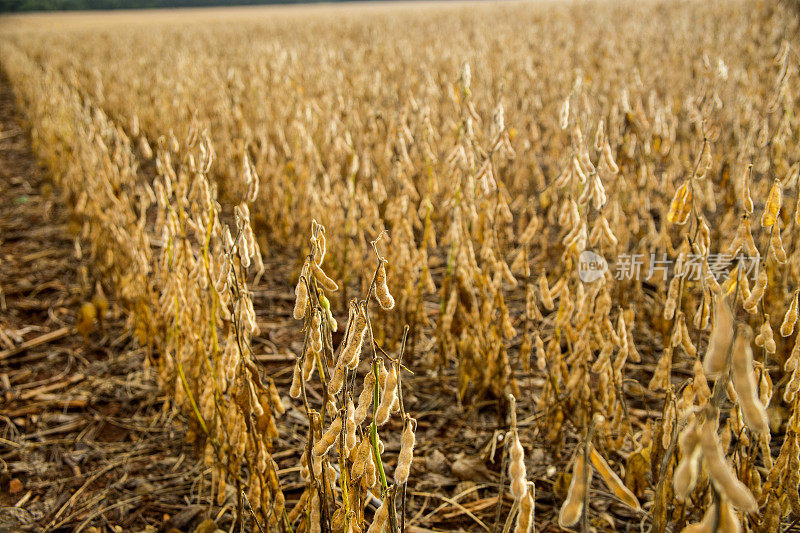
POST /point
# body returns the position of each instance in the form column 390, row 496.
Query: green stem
column 191, row 397
column 373, row 428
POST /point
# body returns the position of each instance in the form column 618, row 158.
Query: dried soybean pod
column 793, row 361
column 573, row 506
column 327, row 283
column 516, row 469
column 700, row 387
column 350, row 426
column 365, row 398
column 371, row 473
column 531, row 309
column 352, row 351
column 406, row 452
column 606, row 229
column 337, row 380
column 728, row 521
column 681, row 205
column 145, row 148
column 753, row 412
column 757, row 293
column 275, row 398
column 767, row 337
column 612, row 481
column 721, row 338
column 747, row 201
column 661, row 376
column 301, row 299
column 328, row 438
column 314, row 515
column 773, row 206
column 790, row 319
column 385, row 299
column 544, row 292
column 295, row 389
column 526, row 510
column 380, row 519
column 387, row 398
column 765, row 387
column 686, row 472
column 686, row 339
column 677, row 332
column 359, row 467
column 599, row 135
column 608, row 158
column 736, row 243
column 776, row 246
column 315, row 332
column 672, row 298
column 720, row 471
column 382, row 373
column 564, row 115
column 320, row 247
column 577, row 170
column 747, row 237
column 541, row 355
column 744, row 286
column 221, row 485
column 308, row 364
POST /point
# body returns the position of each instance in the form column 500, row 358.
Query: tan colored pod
column 387, row 398
column 681, row 205
column 544, row 293
column 295, row 389
column 526, row 511
column 790, row 319
column 385, row 299
column 380, row 519
column 612, row 481
column 721, row 338
column 747, row 201
column 573, row 506
column 751, row 303
column 327, row 283
column 351, row 353
column 337, row 380
column 773, row 206
column 365, row 398
column 316, row 333
column 359, row 466
column 350, row 427
column 686, row 472
column 721, row 472
column 301, row 299
column 328, row 438
column 744, row 382
column 406, row 453
column 516, row 468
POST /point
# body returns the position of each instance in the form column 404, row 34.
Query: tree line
column 11, row 6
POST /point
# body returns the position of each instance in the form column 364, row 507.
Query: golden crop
column 453, row 163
